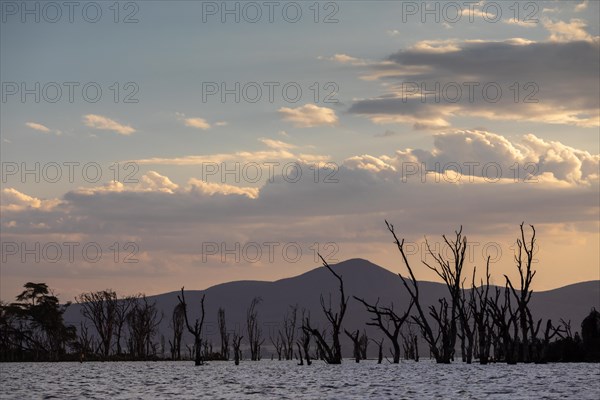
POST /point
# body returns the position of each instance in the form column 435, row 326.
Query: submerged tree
column 379, row 344
column 143, row 321
column 478, row 304
column 523, row 296
column 236, row 342
column 383, row 317
column 122, row 310
column 354, row 336
column 303, row 342
column 254, row 331
column 332, row 354
column 289, row 331
column 177, row 324
column 195, row 330
column 223, row 334
column 444, row 353
column 100, row 308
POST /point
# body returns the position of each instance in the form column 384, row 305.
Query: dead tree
column 443, row 354
column 196, row 330
column 523, row 296
column 354, row 336
column 303, row 342
column 143, row 321
column 364, row 344
column 331, row 354
column 224, row 335
column 410, row 344
column 466, row 332
column 237, row 353
column 549, row 334
column 277, row 344
column 450, row 271
column 101, row 309
column 122, row 308
column 177, row 324
column 289, row 332
column 504, row 319
column 300, row 359
column 478, row 304
column 254, row 330
column 382, row 318
column 85, row 341
column 379, row 344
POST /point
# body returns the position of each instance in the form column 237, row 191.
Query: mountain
column 361, row 278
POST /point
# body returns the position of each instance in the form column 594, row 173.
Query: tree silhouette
column 195, row 330
column 332, row 354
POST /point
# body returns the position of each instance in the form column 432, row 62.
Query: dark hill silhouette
column 361, row 278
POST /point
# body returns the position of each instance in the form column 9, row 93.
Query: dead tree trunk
column 478, row 304
column 522, row 297
column 442, row 355
column 224, row 354
column 254, row 330
column 304, row 342
column 354, row 336
column 277, row 344
column 450, row 271
column 382, row 318
column 237, row 354
column 196, row 330
column 379, row 350
column 332, row 354
column 289, row 332
column 177, row 323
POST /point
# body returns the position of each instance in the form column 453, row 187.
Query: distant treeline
column 488, row 324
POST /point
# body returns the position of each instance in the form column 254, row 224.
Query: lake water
column 287, row 380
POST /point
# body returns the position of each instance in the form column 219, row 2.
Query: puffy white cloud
column 309, row 115
column 561, row 31
column 38, row 127
column 212, row 188
column 199, row 123
column 13, row 200
column 532, row 158
column 107, row 124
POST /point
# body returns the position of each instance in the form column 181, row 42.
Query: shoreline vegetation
column 475, row 323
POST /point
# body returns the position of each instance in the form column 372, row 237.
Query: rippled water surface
column 287, row 380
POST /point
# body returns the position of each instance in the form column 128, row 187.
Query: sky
column 150, row 145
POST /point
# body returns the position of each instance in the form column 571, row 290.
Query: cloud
column 581, row 6
column 574, row 30
column 427, row 84
column 199, row 123
column 13, row 200
column 277, row 144
column 309, row 115
column 107, row 124
column 276, row 151
column 549, row 161
column 38, row 127
column 344, row 59
column 212, row 188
